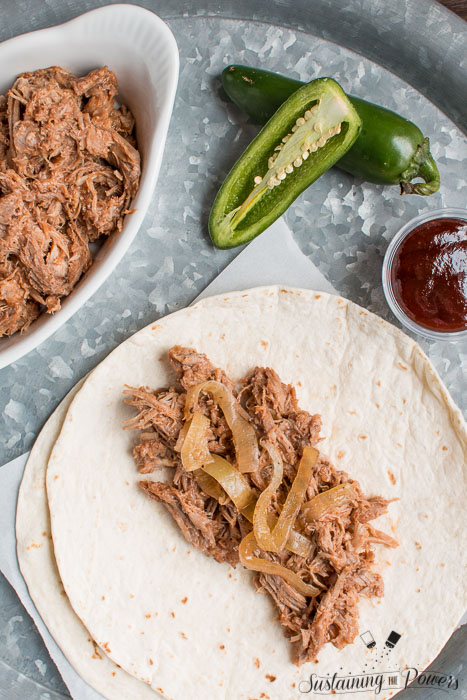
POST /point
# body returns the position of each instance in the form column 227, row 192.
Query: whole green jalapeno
column 390, row 150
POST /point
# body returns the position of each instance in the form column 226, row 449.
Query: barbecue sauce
column 429, row 275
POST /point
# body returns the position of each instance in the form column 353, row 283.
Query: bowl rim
column 404, row 231
column 19, row 344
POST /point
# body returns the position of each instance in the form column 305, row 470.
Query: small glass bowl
column 398, row 312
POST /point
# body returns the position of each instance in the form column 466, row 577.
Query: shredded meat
column 151, row 454
column 341, row 559
column 193, row 368
column 273, row 409
column 69, row 169
column 204, row 527
column 17, row 309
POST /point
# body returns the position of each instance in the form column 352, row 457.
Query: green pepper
column 309, row 132
column 390, row 149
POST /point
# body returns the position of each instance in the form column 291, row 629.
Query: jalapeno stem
column 422, row 165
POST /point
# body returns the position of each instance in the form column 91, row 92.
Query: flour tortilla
column 37, row 563
column 388, row 421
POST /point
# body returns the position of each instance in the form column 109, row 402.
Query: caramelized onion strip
column 243, row 433
column 299, row 544
column 229, row 482
column 261, row 527
column 250, row 561
column 327, row 501
column 295, row 497
column 194, row 451
column 210, row 486
column 233, row 483
column 182, row 436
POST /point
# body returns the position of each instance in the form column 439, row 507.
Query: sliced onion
column 296, row 542
column 219, row 479
column 243, row 433
column 233, row 483
column 327, row 501
column 250, row 561
column 249, row 510
column 194, row 451
column 261, row 527
column 210, row 486
column 182, row 436
column 295, row 497
column 299, row 544
column 229, row 481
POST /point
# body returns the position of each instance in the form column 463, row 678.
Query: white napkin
column 10, row 479
column 272, row 258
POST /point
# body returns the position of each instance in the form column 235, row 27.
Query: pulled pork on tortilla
column 249, row 484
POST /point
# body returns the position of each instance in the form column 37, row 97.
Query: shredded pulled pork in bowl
column 69, row 168
column 296, row 520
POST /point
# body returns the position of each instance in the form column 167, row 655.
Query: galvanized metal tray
column 410, row 56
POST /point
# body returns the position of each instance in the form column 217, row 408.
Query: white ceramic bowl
column 141, row 50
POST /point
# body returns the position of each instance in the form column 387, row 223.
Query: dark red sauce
column 429, row 275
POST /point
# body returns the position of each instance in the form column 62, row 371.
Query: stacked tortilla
column 138, row 612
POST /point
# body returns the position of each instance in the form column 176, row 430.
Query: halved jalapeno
column 308, row 134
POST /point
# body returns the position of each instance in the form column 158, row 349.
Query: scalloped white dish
column 141, row 50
